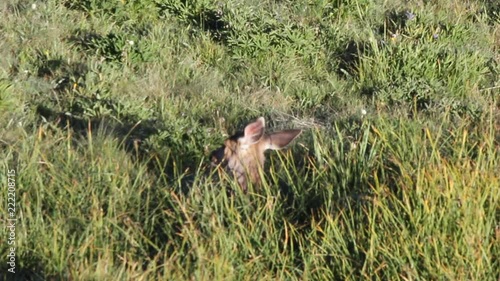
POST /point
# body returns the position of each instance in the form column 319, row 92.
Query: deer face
column 242, row 155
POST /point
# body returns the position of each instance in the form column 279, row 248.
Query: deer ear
column 280, row 139
column 254, row 132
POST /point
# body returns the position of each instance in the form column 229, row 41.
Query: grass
column 109, row 110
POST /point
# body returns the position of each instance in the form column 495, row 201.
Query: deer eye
column 217, row 156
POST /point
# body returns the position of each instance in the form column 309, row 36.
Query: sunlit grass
column 109, row 110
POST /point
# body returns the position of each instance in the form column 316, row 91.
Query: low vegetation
column 109, row 110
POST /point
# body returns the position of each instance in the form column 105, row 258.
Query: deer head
column 242, row 155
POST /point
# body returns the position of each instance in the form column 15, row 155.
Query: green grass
column 109, row 110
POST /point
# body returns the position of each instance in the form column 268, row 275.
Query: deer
column 242, row 155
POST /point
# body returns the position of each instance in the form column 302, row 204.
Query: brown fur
column 242, row 155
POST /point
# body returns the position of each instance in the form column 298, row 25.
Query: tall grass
column 109, row 110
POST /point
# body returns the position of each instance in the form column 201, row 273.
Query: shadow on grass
column 395, row 22
column 64, row 74
column 350, row 57
column 31, row 270
column 132, row 133
column 492, row 9
column 22, row 274
column 207, row 18
column 111, row 46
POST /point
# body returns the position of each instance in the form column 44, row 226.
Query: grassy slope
column 109, row 108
